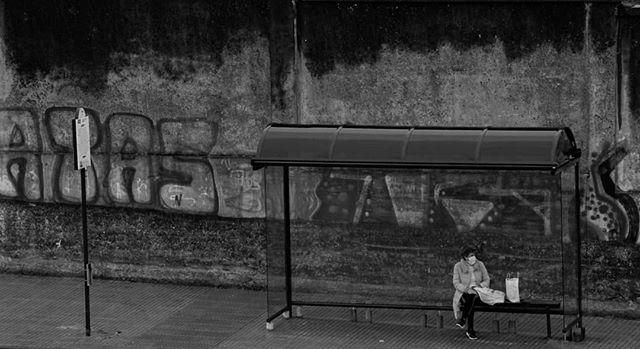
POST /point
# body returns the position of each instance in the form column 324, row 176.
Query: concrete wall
column 178, row 92
column 483, row 64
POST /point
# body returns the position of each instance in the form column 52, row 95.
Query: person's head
column 469, row 254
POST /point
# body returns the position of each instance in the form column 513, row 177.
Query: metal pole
column 578, row 240
column 85, row 245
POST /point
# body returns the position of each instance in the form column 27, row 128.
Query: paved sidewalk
column 48, row 312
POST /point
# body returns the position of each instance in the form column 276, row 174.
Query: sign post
column 82, row 160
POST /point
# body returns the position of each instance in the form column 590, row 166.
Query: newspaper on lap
column 490, row 296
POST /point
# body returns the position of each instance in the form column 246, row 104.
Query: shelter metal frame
column 471, row 148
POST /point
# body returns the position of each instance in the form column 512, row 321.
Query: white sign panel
column 81, row 141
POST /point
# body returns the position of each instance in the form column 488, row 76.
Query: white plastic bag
column 513, row 288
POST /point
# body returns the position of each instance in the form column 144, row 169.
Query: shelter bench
column 526, row 307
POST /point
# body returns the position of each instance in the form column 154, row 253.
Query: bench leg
column 548, row 325
column 496, row 323
column 425, row 321
column 368, row 316
column 440, row 320
column 354, row 315
column 511, row 325
column 578, row 334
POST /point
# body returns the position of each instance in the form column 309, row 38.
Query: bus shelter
column 334, row 240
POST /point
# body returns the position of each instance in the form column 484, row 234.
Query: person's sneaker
column 471, row 335
column 461, row 323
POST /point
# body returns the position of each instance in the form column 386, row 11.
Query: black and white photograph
column 317, row 174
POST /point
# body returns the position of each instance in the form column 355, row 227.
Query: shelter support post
column 85, row 247
column 578, row 249
column 287, row 237
column 575, row 330
column 548, row 325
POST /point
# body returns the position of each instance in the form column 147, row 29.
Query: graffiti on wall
column 133, row 137
column 609, row 213
column 239, row 188
column 136, row 162
column 20, row 149
column 167, row 165
column 466, row 203
column 410, row 197
column 462, row 203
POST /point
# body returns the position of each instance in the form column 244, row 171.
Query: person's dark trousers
column 468, row 301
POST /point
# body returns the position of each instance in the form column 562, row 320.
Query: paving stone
column 48, row 312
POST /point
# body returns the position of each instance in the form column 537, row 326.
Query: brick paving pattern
column 48, row 312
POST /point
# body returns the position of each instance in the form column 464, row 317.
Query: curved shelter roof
column 424, row 147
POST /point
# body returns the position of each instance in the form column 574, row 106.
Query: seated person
column 468, row 273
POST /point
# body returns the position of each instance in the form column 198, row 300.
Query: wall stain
column 352, row 33
column 84, row 35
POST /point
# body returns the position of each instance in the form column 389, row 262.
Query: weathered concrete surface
column 484, row 71
column 167, row 109
column 132, row 244
column 172, row 91
column 447, row 87
column 481, row 65
column 493, row 65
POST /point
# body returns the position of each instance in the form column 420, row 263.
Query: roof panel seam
column 261, row 142
column 554, row 146
column 479, row 145
column 405, row 146
column 333, row 142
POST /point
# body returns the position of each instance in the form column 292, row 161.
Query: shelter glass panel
column 275, row 235
column 570, row 246
column 393, row 236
